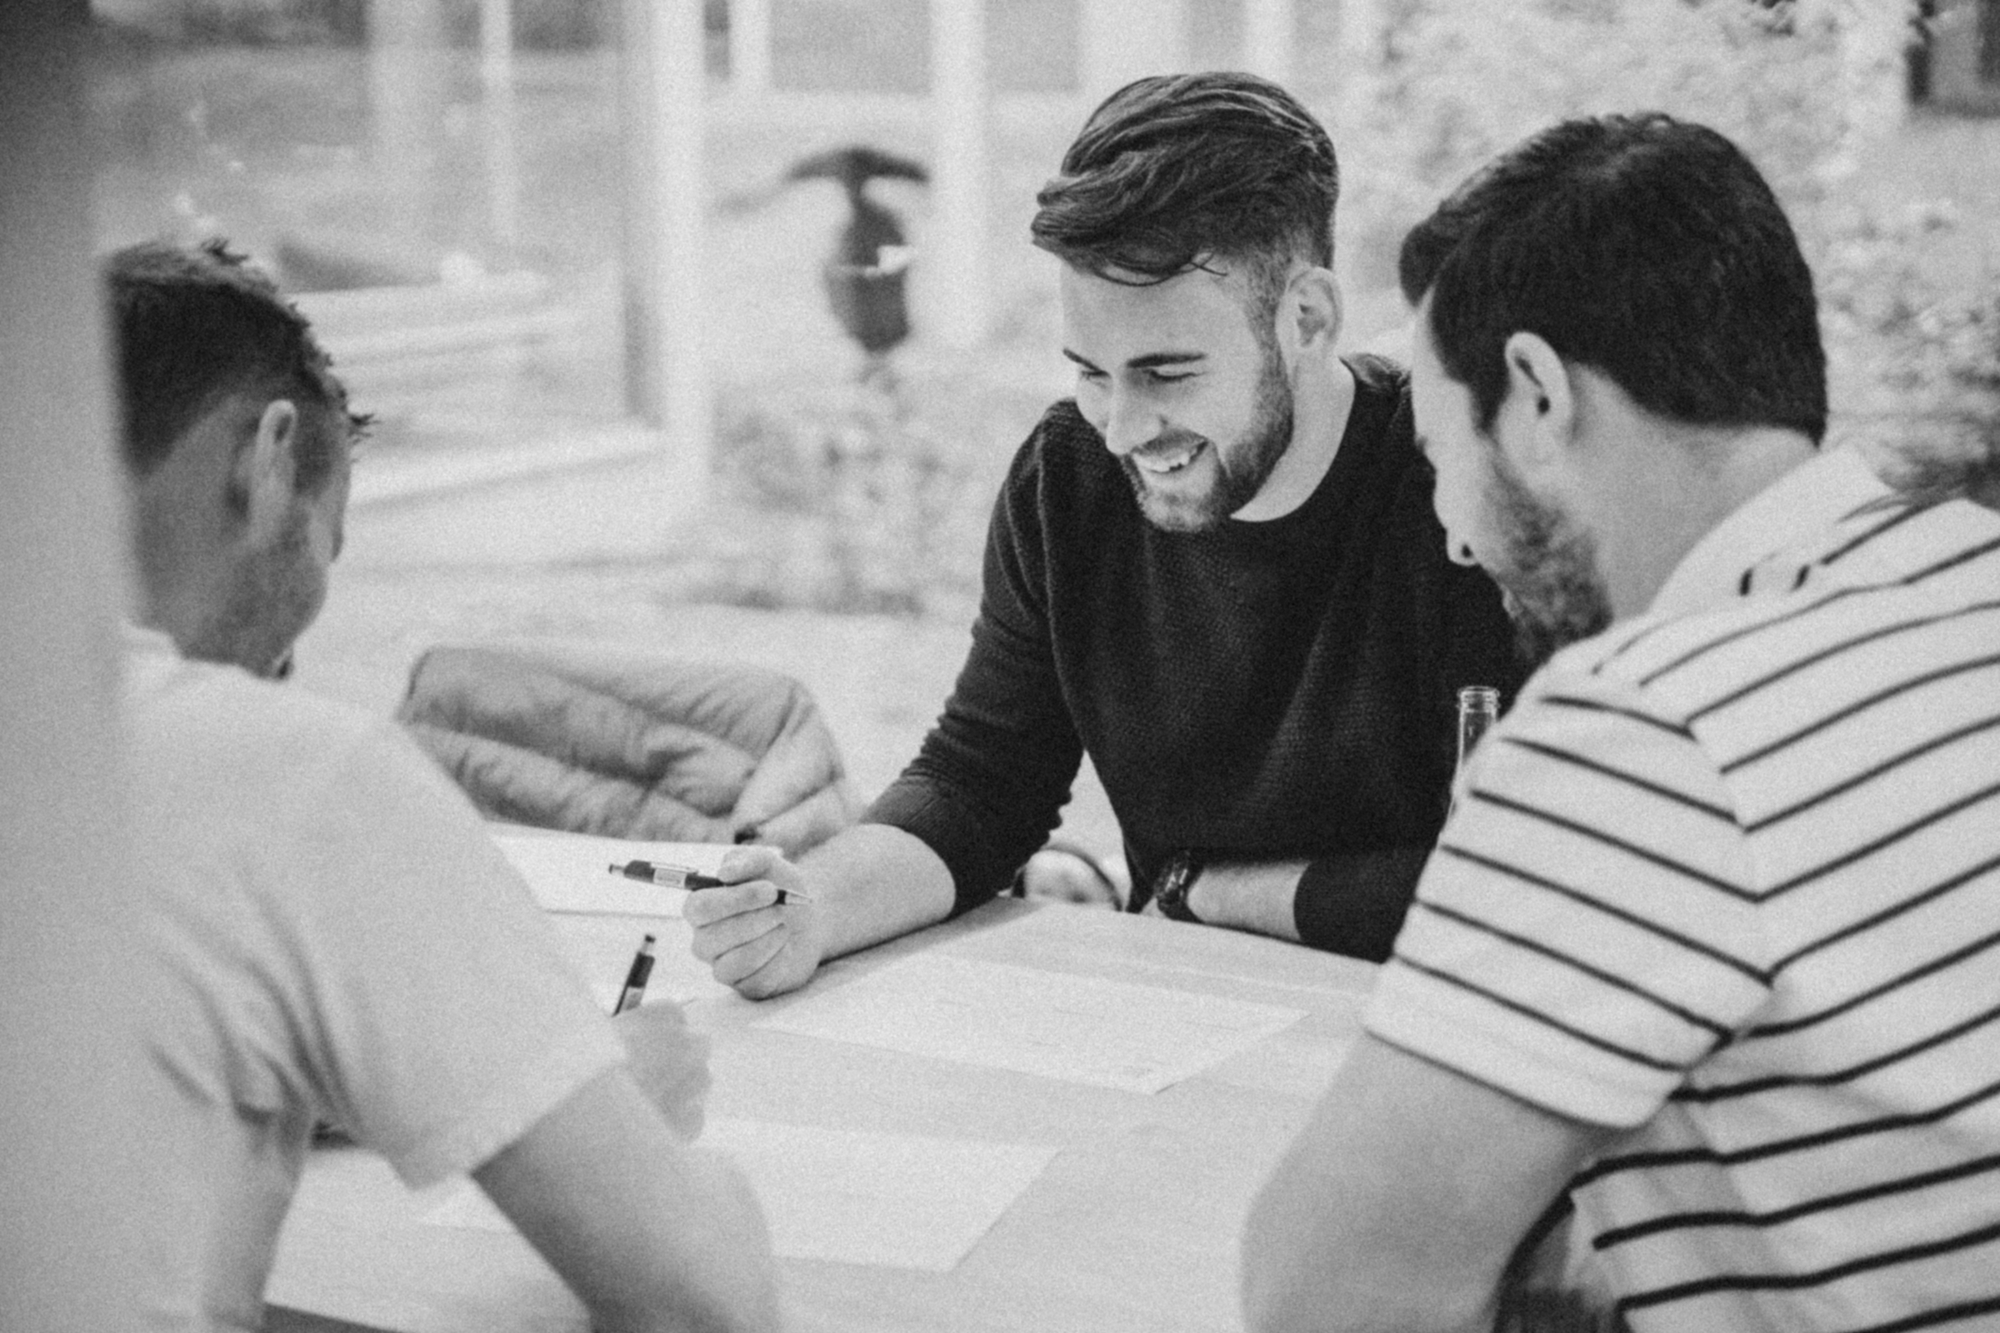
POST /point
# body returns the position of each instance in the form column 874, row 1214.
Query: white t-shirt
column 358, row 951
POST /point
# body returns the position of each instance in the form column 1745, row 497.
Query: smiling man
column 1215, row 570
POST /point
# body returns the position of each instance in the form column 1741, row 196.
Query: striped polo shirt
column 1731, row 880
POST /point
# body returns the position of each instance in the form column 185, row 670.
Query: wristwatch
column 1171, row 885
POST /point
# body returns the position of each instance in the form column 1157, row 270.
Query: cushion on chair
column 608, row 741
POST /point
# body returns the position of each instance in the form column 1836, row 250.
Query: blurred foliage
column 1805, row 87
column 862, row 496
column 1801, row 87
column 1915, row 357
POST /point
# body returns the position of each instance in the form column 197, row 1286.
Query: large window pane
column 448, row 213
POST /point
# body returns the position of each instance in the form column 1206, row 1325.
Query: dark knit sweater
column 1262, row 691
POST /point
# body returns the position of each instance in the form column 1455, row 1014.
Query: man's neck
column 1322, row 401
column 1710, row 476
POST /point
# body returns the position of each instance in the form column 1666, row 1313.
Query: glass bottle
column 1478, row 709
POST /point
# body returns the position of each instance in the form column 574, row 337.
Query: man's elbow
column 1271, row 1304
column 1333, row 1302
column 684, row 1318
column 1305, row 1272
column 747, row 1304
column 1283, row 1292
column 1291, row 1272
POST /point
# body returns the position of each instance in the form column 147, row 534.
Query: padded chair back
column 593, row 739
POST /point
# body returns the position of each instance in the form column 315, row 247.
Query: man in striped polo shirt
column 1712, row 941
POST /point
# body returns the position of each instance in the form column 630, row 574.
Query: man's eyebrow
column 1150, row 361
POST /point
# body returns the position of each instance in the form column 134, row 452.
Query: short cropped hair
column 1643, row 246
column 194, row 326
column 1174, row 170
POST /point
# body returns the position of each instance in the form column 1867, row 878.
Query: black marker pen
column 674, row 877
column 686, row 877
column 635, row 979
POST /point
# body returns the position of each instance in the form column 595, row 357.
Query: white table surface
column 1132, row 1226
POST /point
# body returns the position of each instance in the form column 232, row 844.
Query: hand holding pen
column 750, row 941
column 687, row 877
column 665, row 1057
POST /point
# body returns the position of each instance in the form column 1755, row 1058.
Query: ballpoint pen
column 635, row 978
column 686, row 877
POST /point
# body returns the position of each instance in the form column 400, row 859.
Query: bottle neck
column 1478, row 709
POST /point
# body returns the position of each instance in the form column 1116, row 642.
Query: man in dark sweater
column 1216, row 570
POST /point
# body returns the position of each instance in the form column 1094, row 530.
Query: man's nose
column 1130, row 422
column 1456, row 546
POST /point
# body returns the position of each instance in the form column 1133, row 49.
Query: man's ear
column 1542, row 394
column 266, row 469
column 1309, row 313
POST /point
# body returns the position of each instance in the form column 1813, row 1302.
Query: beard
column 1549, row 581
column 1241, row 466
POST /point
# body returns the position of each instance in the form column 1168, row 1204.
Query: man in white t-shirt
column 347, row 943
column 1707, row 946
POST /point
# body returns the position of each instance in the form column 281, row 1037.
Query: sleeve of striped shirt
column 1586, row 930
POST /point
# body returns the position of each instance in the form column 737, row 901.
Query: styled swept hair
column 194, row 326
column 1646, row 247
column 1173, row 171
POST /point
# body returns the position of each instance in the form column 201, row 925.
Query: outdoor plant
column 861, row 496
column 1803, row 86
column 1915, row 359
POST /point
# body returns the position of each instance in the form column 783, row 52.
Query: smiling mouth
column 1165, row 462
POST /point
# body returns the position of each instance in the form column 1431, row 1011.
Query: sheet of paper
column 1110, row 1034
column 568, row 871
column 890, row 1200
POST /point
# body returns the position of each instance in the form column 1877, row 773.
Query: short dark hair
column 193, row 326
column 1177, row 168
column 1643, row 246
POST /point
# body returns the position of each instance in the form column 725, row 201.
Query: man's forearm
column 1351, row 903
column 650, row 1235
column 1354, row 902
column 1400, row 1204
column 1249, row 895
column 874, row 882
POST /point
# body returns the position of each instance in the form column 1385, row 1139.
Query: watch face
column 1175, row 879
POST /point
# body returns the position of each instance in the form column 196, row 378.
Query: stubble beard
column 1551, row 586
column 1241, row 468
